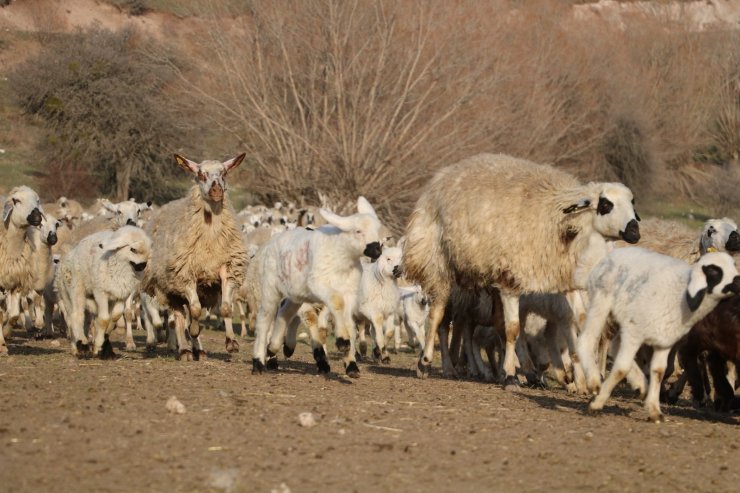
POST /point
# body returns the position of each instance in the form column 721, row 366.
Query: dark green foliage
column 106, row 115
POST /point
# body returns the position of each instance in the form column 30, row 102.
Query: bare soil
column 91, row 425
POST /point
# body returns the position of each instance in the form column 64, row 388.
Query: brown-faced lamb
column 198, row 253
column 495, row 220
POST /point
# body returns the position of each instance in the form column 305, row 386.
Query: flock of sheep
column 517, row 259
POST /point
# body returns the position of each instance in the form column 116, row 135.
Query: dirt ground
column 90, row 425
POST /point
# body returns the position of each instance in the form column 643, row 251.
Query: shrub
column 105, row 112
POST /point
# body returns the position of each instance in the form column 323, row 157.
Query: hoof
column 232, row 346
column 376, row 353
column 288, row 351
column 363, row 348
column 352, row 370
column 423, row 369
column 199, row 355
column 131, row 346
column 106, row 352
column 151, row 348
column 656, row 418
column 386, row 360
column 185, row 355
column 272, row 363
column 257, row 367
column 320, row 356
column 3, row 350
column 511, row 383
column 343, row 345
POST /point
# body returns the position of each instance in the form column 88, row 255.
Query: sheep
column 413, row 311
column 655, row 300
column 100, row 274
column 320, row 266
column 115, row 215
column 20, row 211
column 495, row 220
column 198, row 253
column 378, row 297
column 41, row 240
column 718, row 332
column 679, row 241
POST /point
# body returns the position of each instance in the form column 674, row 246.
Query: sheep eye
column 359, row 231
column 16, row 201
column 133, row 250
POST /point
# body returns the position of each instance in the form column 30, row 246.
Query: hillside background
column 340, row 98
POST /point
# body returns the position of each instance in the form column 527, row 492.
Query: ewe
column 499, row 221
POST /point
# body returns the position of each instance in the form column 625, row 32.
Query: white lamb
column 99, row 275
column 320, row 266
column 413, row 312
column 378, row 297
column 655, row 300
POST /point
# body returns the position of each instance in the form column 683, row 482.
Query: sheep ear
column 364, row 207
column 578, row 206
column 108, row 205
column 113, row 243
column 187, row 164
column 701, row 281
column 7, row 209
column 234, row 162
column 343, row 223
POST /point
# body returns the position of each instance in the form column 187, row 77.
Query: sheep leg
column 232, row 346
column 102, row 320
column 12, row 302
column 510, row 304
column 436, row 313
column 311, row 320
column 467, row 336
column 380, row 353
column 185, row 350
column 579, row 376
column 242, row 317
column 291, row 336
column 636, row 379
column 285, row 314
column 723, row 391
column 341, row 308
column 191, row 294
column 622, row 364
column 657, row 370
column 362, row 337
column 128, row 316
column 265, row 317
column 556, row 358
column 448, row 369
column 3, row 346
column 589, row 338
column 483, row 368
column 172, row 345
column 455, row 342
column 416, row 333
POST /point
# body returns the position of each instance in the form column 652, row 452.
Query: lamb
column 518, row 226
column 320, row 266
column 413, row 311
column 655, row 300
column 20, row 212
column 378, row 297
column 679, row 241
column 100, row 274
column 718, row 332
column 198, row 253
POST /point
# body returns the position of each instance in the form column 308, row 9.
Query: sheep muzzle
column 51, row 238
column 733, row 242
column 373, row 250
column 216, row 193
column 34, row 218
column 631, row 233
column 130, row 222
column 397, row 271
column 138, row 267
column 733, row 287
